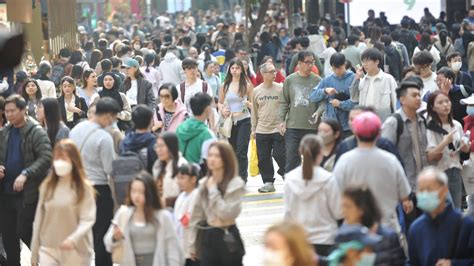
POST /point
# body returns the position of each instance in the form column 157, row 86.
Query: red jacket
column 469, row 125
column 278, row 79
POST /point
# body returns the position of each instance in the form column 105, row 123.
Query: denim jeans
column 455, row 186
column 292, row 143
column 268, row 145
column 239, row 139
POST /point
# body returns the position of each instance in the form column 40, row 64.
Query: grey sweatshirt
column 97, row 152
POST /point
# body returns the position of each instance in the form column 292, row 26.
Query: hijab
column 112, row 92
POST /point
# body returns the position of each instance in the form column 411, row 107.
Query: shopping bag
column 467, row 174
column 254, row 171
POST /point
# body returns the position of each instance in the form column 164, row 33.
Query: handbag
column 225, row 126
column 254, row 170
column 117, row 251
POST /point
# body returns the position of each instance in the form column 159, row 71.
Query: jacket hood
column 347, row 75
column 135, row 141
column 180, row 107
column 307, row 189
column 169, row 57
column 191, row 128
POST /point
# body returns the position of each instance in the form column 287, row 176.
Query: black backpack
column 400, row 125
column 125, row 168
column 58, row 73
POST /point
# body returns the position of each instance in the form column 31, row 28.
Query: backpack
column 125, row 168
column 400, row 125
column 182, row 89
column 58, row 73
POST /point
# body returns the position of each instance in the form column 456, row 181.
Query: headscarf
column 112, row 92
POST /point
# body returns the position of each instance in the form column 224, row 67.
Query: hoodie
column 178, row 117
column 171, row 70
column 194, row 137
column 134, row 142
column 314, row 203
column 342, row 86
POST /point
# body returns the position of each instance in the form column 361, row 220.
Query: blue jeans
column 455, row 186
column 292, row 142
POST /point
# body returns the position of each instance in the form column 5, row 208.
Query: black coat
column 79, row 103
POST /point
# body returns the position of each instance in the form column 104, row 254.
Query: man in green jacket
column 194, row 135
column 25, row 157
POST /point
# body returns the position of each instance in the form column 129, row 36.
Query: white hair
column 436, row 173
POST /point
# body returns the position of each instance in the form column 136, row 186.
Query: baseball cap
column 130, row 62
column 366, row 125
column 359, row 233
column 468, row 101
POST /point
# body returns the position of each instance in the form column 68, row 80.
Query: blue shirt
column 14, row 161
column 342, row 85
column 429, row 239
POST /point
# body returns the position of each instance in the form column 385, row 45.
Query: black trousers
column 239, row 139
column 292, row 143
column 104, row 214
column 16, row 222
column 269, row 145
column 214, row 250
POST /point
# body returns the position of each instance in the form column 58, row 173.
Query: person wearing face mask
column 331, row 135
column 310, row 189
column 455, row 63
column 442, row 235
column 62, row 230
column 468, row 128
column 97, row 149
column 355, row 245
column 286, row 245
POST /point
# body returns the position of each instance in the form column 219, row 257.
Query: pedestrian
column 170, row 67
column 265, row 127
column 47, row 115
column 376, row 88
column 211, row 78
column 218, row 204
column 171, row 112
column 151, row 73
column 454, row 60
column 364, row 165
column 445, row 145
column 425, row 45
column 310, row 189
column 62, row 230
column 442, row 235
column 143, row 229
column 422, row 62
column 31, row 92
column 165, row 168
column 89, row 88
column 191, row 85
column 286, row 244
column 330, row 133
column 296, row 110
column 137, row 89
column 235, row 98
column 111, row 90
column 3, row 119
column 279, row 78
column 73, row 107
column 141, row 140
column 43, row 77
column 194, row 135
column 352, row 52
column 334, row 93
column 25, row 157
column 360, row 208
column 188, row 176
column 97, row 150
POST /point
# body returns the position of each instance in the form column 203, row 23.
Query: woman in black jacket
column 137, row 89
column 73, row 108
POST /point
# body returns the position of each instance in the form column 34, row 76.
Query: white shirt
column 183, row 210
column 370, row 101
column 450, row 159
column 132, row 93
column 191, row 90
column 429, row 84
column 326, row 55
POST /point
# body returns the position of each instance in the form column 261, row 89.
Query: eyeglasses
column 270, row 72
column 309, row 62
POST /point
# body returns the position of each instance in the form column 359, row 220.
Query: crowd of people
column 133, row 147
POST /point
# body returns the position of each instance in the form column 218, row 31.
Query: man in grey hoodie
column 170, row 68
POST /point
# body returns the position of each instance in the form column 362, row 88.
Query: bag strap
column 182, row 89
column 204, row 87
column 463, row 91
column 400, row 126
column 85, row 140
column 454, row 239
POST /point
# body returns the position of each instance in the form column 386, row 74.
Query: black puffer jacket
column 388, row 251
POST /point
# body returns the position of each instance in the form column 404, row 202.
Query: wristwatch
column 25, row 173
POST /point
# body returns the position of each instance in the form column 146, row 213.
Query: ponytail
column 310, row 149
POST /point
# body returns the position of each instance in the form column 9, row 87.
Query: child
column 143, row 230
column 469, row 125
column 187, row 180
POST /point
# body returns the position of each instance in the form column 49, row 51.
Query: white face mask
column 273, row 258
column 62, row 167
column 456, row 66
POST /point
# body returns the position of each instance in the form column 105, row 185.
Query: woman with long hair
column 286, row 245
column 76, row 73
column 360, row 208
column 110, row 89
column 137, row 89
column 444, row 46
column 50, row 119
column 96, row 57
column 165, row 168
column 66, row 212
column 425, row 44
column 150, row 72
column 31, row 92
column 143, row 229
column 310, row 189
column 89, row 86
column 445, row 146
column 73, row 108
column 330, row 132
column 251, row 78
column 171, row 112
column 43, row 77
column 218, row 203
column 77, row 58
column 234, row 101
